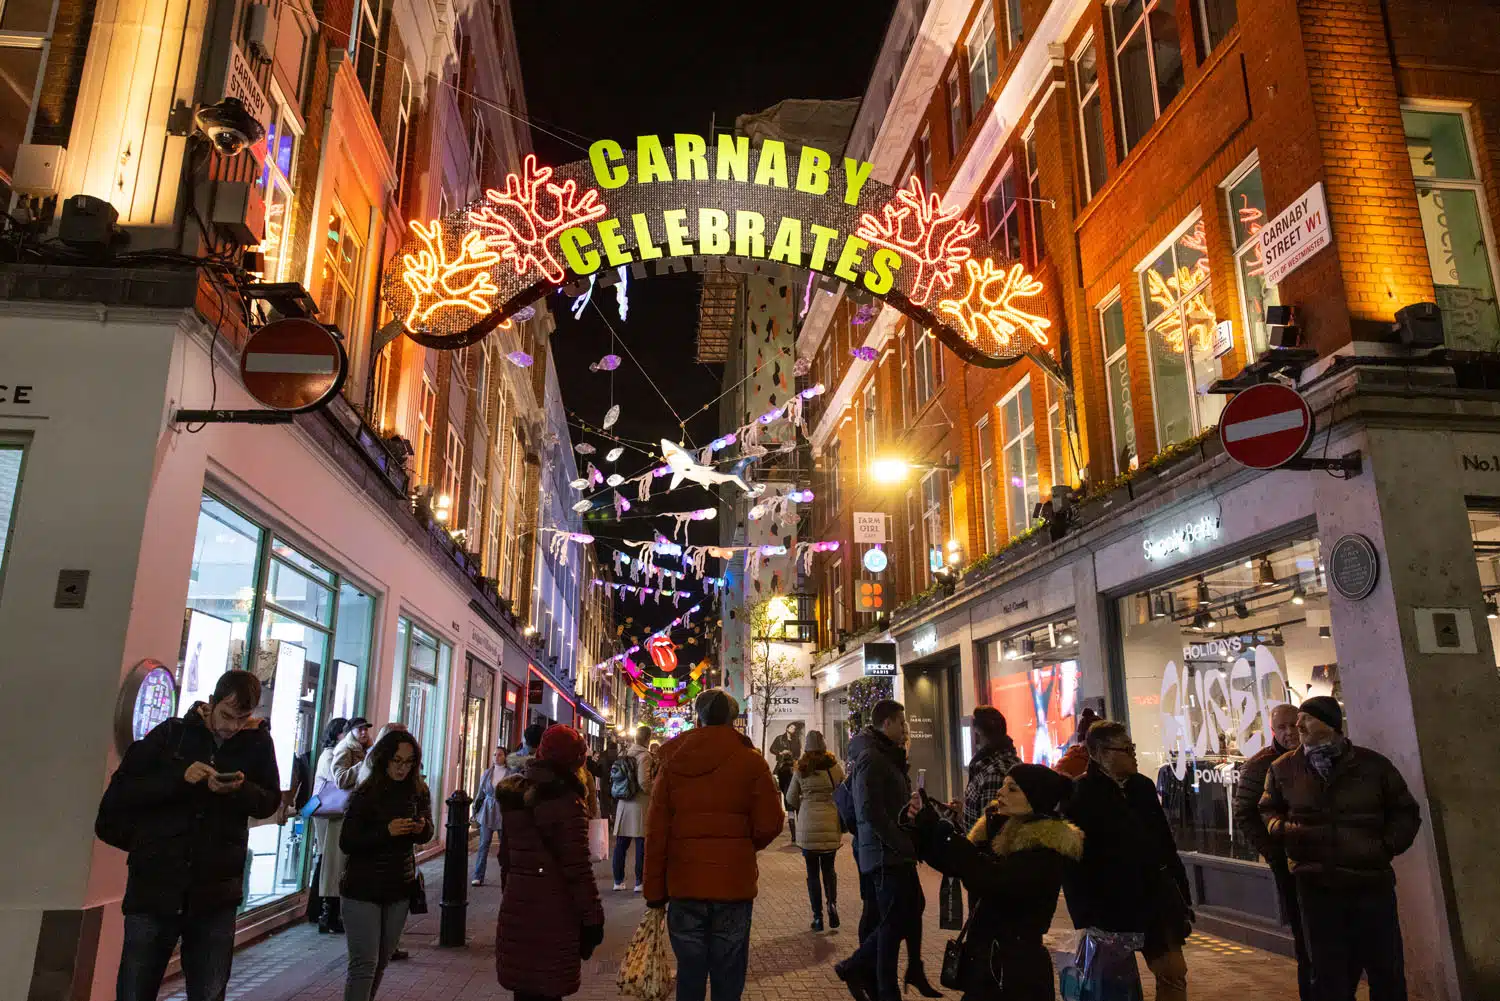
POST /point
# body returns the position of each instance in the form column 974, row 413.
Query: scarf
column 1323, row 756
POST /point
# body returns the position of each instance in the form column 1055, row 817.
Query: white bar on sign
column 290, row 364
column 1287, row 420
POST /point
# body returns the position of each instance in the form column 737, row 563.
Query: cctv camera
column 229, row 126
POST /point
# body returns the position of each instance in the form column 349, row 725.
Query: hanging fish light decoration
column 583, row 506
column 584, row 448
column 610, row 416
column 606, row 364
column 523, row 314
column 580, row 484
column 615, row 479
column 520, row 359
column 613, row 455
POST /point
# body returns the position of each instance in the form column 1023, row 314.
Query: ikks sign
column 683, row 198
column 1300, row 231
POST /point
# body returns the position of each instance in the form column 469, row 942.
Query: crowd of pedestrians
column 1328, row 816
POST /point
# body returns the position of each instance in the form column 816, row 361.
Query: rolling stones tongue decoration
column 663, row 652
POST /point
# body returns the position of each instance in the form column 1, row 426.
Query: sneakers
column 639, row 888
column 476, row 882
column 619, row 887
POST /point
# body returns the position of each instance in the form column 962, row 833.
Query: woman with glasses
column 389, row 814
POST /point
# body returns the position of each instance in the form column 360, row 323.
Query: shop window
column 1179, row 334
column 11, row 457
column 1031, row 676
column 353, row 639
column 924, row 355
column 1247, row 215
column 1206, row 658
column 223, row 590
column 276, row 190
column 1034, row 205
column 1057, row 438
column 364, row 45
column 1090, row 118
column 1215, row 19
column 418, row 692
column 989, row 483
column 983, row 60
column 1022, row 484
column 343, row 255
column 1015, row 27
column 1460, row 246
column 1484, row 526
column 956, row 123
column 1148, row 64
column 1001, row 215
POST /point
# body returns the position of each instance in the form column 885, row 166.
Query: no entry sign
column 1266, row 426
column 293, row 365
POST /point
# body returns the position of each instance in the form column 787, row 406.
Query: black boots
column 330, row 920
column 817, row 924
column 833, row 914
column 916, row 977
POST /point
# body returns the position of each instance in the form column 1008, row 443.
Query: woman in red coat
column 550, row 916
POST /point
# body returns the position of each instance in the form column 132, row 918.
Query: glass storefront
column 478, row 748
column 11, row 454
column 1206, row 659
column 1484, row 526
column 257, row 603
column 419, row 697
column 1031, row 676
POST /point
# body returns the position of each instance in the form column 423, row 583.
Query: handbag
column 646, row 970
column 330, row 800
column 951, row 975
column 418, row 895
column 951, row 915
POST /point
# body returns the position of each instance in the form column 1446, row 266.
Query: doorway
column 928, row 690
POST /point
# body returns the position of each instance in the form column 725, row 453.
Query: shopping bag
column 599, row 840
column 646, row 971
column 1103, row 968
column 951, row 914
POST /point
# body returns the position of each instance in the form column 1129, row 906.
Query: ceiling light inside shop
column 1491, row 609
column 1325, row 633
column 1299, row 595
column 1266, row 575
column 1203, row 596
column 1201, row 621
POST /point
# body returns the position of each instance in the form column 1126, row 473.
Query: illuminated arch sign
column 670, row 202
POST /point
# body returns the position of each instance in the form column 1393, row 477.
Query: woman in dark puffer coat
column 1013, row 864
column 550, row 916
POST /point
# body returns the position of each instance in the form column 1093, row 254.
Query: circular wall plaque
column 148, row 697
column 1354, row 566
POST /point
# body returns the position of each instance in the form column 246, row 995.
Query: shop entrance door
column 928, row 696
column 477, row 743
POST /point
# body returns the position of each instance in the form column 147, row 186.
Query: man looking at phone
column 180, row 803
column 887, row 856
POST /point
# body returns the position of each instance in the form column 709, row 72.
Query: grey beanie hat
column 716, row 707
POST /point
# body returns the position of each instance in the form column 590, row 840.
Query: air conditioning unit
column 236, row 210
column 260, row 31
column 39, row 170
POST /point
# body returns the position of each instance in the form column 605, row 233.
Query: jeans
column 821, row 876
column 1286, row 889
column 898, row 916
column 1352, row 930
column 207, row 952
column 869, row 914
column 622, row 845
column 483, row 859
column 711, row 939
column 373, row 931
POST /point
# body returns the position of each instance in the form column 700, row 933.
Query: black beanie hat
column 532, row 735
column 1325, row 708
column 1045, row 789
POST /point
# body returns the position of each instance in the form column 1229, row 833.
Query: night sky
column 628, row 69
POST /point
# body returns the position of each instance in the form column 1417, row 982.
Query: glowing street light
column 891, row 469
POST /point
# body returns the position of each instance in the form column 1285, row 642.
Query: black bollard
column 454, row 908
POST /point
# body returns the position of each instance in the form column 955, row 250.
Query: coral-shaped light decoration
column 987, row 314
column 916, row 226
column 438, row 283
column 524, row 220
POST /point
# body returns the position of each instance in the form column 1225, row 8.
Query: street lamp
column 891, row 469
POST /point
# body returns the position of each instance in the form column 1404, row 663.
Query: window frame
column 1027, row 418
column 1009, row 215
column 924, row 157
column 933, row 529
column 1204, row 289
column 453, row 466
column 366, row 19
column 351, row 285
column 987, row 48
column 1122, row 353
column 924, row 368
column 958, row 125
column 988, row 483
column 916, row 558
column 1203, row 27
column 1015, row 26
column 272, row 177
column 402, row 136
column 1033, row 163
column 1251, row 246
column 1091, row 184
column 1142, row 24
column 1060, row 450
column 869, row 420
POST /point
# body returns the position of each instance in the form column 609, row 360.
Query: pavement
column 787, row 960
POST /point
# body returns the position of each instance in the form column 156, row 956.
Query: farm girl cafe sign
column 672, row 201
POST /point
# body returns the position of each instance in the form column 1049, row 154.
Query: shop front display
column 419, row 696
column 1206, row 658
column 256, row 602
column 1032, row 677
column 478, row 703
column 11, row 454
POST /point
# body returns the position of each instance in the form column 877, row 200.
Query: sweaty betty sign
column 1182, row 539
column 1216, row 710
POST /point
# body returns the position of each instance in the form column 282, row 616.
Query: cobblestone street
column 786, row 960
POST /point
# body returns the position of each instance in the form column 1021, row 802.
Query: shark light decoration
column 684, row 468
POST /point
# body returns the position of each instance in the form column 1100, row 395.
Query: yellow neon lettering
column 692, row 157
column 770, row 169
column 677, row 233
column 812, row 171
column 882, row 274
column 788, row 245
column 650, row 160
column 643, row 245
column 856, row 173
column 713, row 231
column 583, row 262
column 850, row 258
column 734, row 158
column 613, row 242
column 608, row 161
column 749, row 234
column 822, row 236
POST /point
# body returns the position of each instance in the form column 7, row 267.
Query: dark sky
column 618, row 70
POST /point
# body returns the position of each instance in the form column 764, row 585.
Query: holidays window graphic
column 459, row 277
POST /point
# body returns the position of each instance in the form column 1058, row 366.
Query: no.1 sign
column 1266, row 426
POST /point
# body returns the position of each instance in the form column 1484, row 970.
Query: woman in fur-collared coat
column 1013, row 864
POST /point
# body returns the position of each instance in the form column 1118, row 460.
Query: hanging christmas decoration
column 520, row 359
column 610, row 416
column 863, row 315
column 864, row 353
column 614, row 479
column 583, row 505
column 584, row 448
column 613, row 455
column 663, row 652
column 683, row 467
column 622, row 287
column 801, row 367
column 523, row 314
column 579, row 484
column 594, row 476
column 606, row 364
column 621, row 504
column 581, row 303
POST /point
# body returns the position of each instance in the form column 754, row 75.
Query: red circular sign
column 293, row 364
column 1266, row 426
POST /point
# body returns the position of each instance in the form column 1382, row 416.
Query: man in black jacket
column 886, row 855
column 181, row 803
column 1130, row 878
